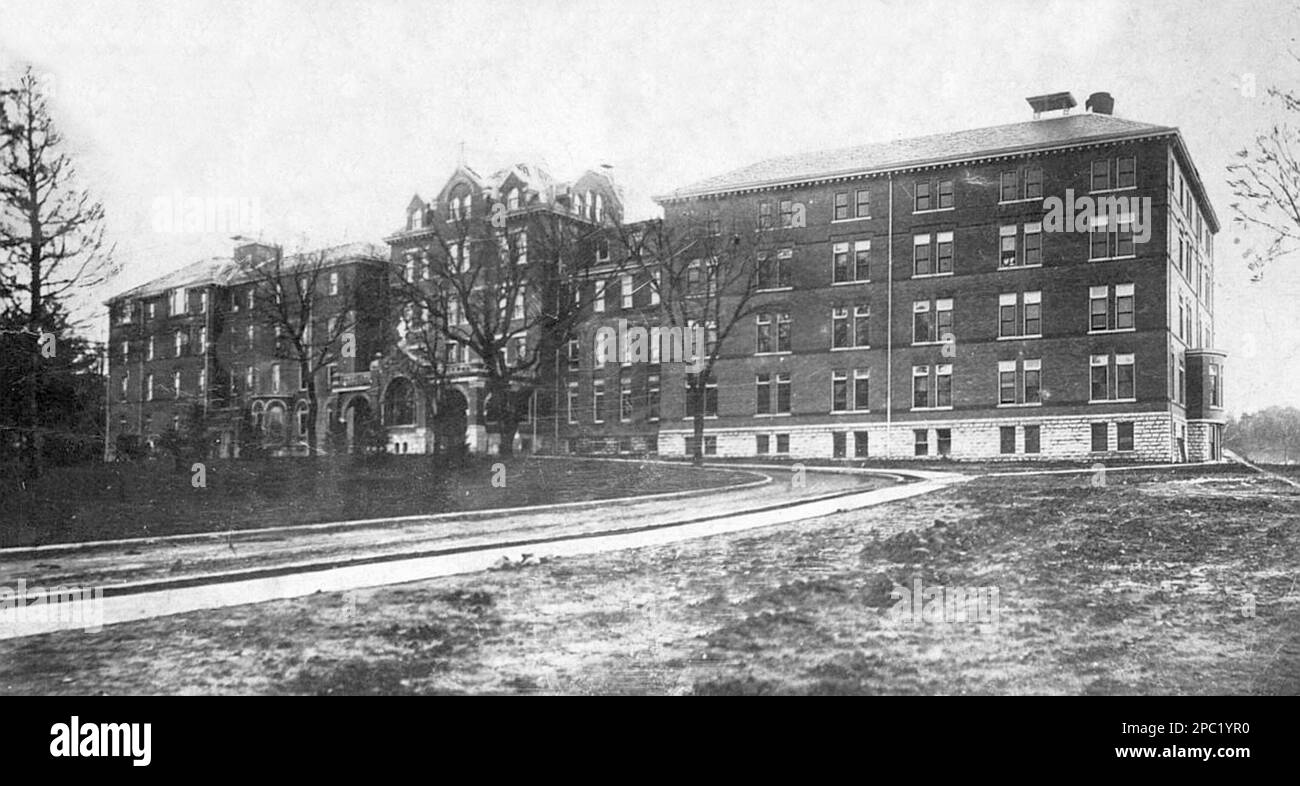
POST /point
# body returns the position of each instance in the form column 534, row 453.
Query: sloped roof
column 224, row 270
column 935, row 148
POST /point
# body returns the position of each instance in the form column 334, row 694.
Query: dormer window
column 416, row 219
column 460, row 205
column 512, row 199
column 589, row 203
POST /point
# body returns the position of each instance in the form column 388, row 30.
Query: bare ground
column 1156, row 583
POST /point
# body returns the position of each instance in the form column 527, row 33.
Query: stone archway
column 451, row 421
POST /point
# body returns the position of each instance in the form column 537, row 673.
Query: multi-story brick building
column 931, row 306
column 922, row 297
column 194, row 339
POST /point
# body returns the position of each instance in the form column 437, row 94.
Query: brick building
column 932, row 307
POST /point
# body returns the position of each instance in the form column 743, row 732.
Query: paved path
column 293, row 565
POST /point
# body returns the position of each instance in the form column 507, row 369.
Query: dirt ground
column 1166, row 582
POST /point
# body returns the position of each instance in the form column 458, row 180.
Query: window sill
column 1019, row 201
column 771, row 354
column 849, row 220
column 1020, row 338
column 850, row 349
column 850, row 283
column 1112, row 259
column 774, row 289
column 1020, row 267
column 931, row 409
column 1021, row 405
column 772, row 414
column 1111, row 330
column 934, row 210
column 931, row 275
column 1111, row 190
column 1113, row 401
column 928, row 343
column 850, row 412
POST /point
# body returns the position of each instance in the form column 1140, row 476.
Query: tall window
column 773, row 332
column 625, row 397
column 863, row 203
column 652, row 396
column 1020, row 382
column 861, row 389
column 772, row 394
column 1111, row 237
column 774, row 271
column 176, row 383
column 709, row 394
column 1124, row 385
column 931, row 321
column 841, row 212
column 572, row 402
column 839, row 390
column 598, row 401
column 931, row 386
column 1020, row 316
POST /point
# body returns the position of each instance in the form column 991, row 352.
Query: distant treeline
column 1271, row 435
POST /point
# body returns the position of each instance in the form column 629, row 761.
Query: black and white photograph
column 667, row 348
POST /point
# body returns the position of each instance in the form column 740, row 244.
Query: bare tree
column 315, row 318
column 498, row 286
column 51, row 235
column 705, row 271
column 1266, row 182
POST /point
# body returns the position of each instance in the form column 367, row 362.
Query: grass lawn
column 1159, row 582
column 106, row 501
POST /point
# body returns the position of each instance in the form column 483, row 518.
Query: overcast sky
column 329, row 115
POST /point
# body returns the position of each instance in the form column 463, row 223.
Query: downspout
column 889, row 330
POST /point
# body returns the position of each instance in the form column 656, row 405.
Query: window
column 203, row 340
column 839, row 442
column 861, row 389
column 572, row 402
column 1007, row 235
column 782, row 394
column 787, row 213
column 839, row 391
column 1216, row 396
column 177, row 305
column 1100, row 175
column 945, row 194
column 921, row 442
column 176, row 383
column 709, row 393
column 764, row 215
column 773, row 332
column 860, row 444
column 1124, row 380
column 1007, row 439
column 782, row 443
column 1007, row 382
column 275, row 377
column 921, row 256
column 126, row 385
column 1032, row 381
column 625, row 398
column 765, row 403
column 334, row 283
column 1012, row 253
column 862, row 260
column 1033, row 183
column 1124, row 435
column 943, row 436
column 652, row 396
column 148, row 387
column 841, row 205
column 1111, row 307
column 149, row 349
column 599, row 305
column 839, row 263
column 1033, row 325
column 1032, row 437
column 1010, row 186
column 1020, row 316
column 943, row 261
column 846, row 333
column 626, row 284
column 774, row 272
column 575, row 354
column 598, row 401
column 512, row 199
column 1100, row 437
column 863, row 207
column 931, row 325
column 1034, row 244
column 1126, row 174
column 763, row 394
column 762, row 443
column 923, row 201
column 1100, row 378
column 251, row 333
column 1111, row 237
column 179, row 339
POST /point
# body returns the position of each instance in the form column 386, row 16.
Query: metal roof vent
column 1050, row 102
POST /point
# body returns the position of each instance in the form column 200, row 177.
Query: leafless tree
column 1266, row 181
column 706, row 272
column 498, row 284
column 51, row 234
column 314, row 327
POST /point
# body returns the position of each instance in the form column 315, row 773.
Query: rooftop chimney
column 1050, row 102
column 1101, row 103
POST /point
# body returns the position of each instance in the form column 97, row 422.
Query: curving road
column 156, row 577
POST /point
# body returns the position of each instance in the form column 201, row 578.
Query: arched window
column 300, row 417
column 257, row 412
column 399, row 403
column 512, row 199
column 275, row 426
column 460, row 202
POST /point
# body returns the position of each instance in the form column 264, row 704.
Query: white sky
column 331, row 114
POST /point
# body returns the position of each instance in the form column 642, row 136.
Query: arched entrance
column 450, row 421
column 361, row 427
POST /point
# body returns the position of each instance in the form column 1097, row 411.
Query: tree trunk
column 312, row 406
column 697, row 422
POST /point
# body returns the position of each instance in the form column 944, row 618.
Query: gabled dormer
column 417, row 214
column 459, row 197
